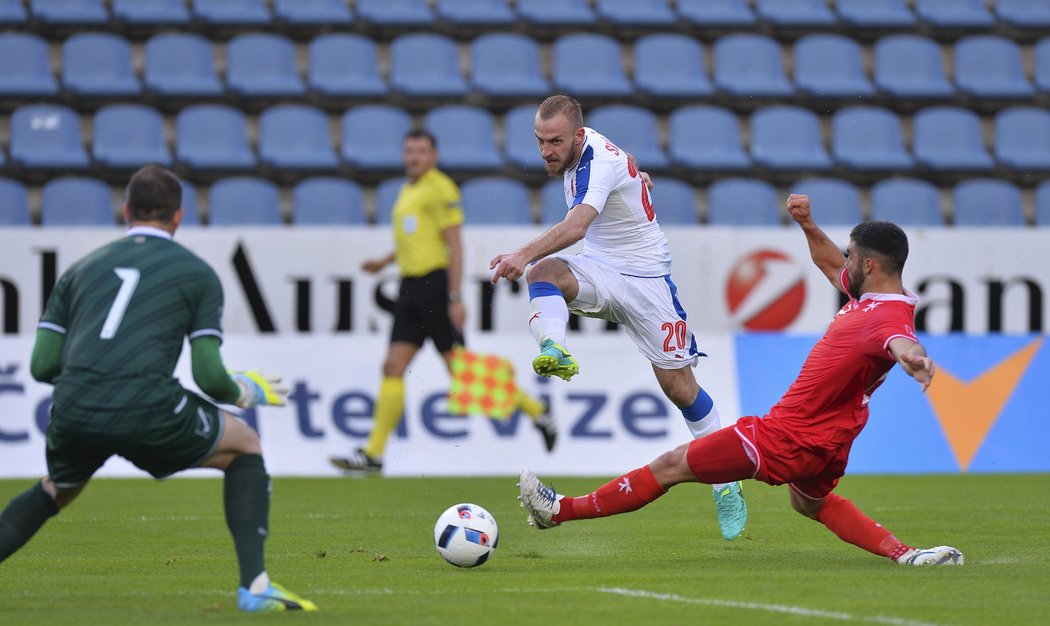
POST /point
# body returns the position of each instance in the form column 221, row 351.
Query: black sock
column 246, row 496
column 24, row 515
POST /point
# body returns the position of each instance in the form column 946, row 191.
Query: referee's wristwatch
column 455, row 296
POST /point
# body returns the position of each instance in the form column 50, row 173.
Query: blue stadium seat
column 488, row 13
column 492, row 200
column 69, row 12
column 706, row 137
column 834, row 202
column 47, row 136
column 328, row 13
column 987, row 202
column 1042, row 204
column 386, row 195
column 180, row 65
column 1022, row 138
column 831, row 66
column 151, row 12
column 232, row 12
column 670, row 65
column 633, row 129
column 636, row 13
column 325, row 201
column 296, row 137
column 796, row 13
column 395, row 13
column 372, row 136
column 1024, row 14
column 910, row 66
column 949, row 138
column 426, row 65
column 742, row 202
column 345, row 65
column 212, row 137
column 787, row 138
column 1042, row 64
column 867, row 138
column 750, row 65
column 12, row 12
column 674, row 203
column 244, row 201
column 98, row 64
column 989, row 66
column 507, row 65
column 190, row 213
column 129, row 136
column 76, row 201
column 717, row 13
column 876, row 13
column 14, row 204
column 262, row 65
column 519, row 139
column 906, row 202
column 564, row 13
column 552, row 202
column 466, row 137
column 589, row 65
column 25, row 66
column 954, row 13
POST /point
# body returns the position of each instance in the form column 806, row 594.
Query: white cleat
column 941, row 555
column 539, row 500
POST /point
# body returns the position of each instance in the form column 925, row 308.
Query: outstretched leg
column 551, row 286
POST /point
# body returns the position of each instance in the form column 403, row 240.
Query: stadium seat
column 232, row 12
column 129, row 136
column 180, row 65
column 76, row 201
column 386, row 195
column 327, row 13
column 834, row 202
column 244, row 201
column 876, row 13
column 987, row 202
column 25, row 66
column 262, row 65
column 47, row 136
column 492, row 200
column 507, row 65
column 14, row 204
column 372, row 135
column 750, row 65
column 954, row 13
column 636, row 13
column 564, row 13
column 519, row 139
column 670, row 65
column 674, row 203
column 552, row 202
column 69, row 12
column 906, row 202
column 12, row 13
column 1024, row 14
column 717, row 13
column 344, row 65
column 604, row 76
column 633, row 129
column 831, row 66
column 426, row 65
column 742, row 202
column 328, row 201
column 1042, row 204
column 151, row 12
column 466, row 137
column 1042, row 65
column 703, row 137
column 949, row 138
column 98, row 64
column 796, row 13
column 487, row 13
column 395, row 13
column 296, row 137
column 190, row 213
column 787, row 138
column 989, row 66
column 1022, row 138
column 212, row 137
column 910, row 66
column 867, row 138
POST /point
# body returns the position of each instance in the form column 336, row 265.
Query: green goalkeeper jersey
column 124, row 311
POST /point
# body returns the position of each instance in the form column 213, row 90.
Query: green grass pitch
column 139, row 552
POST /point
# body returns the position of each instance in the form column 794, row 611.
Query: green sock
column 24, row 515
column 246, row 497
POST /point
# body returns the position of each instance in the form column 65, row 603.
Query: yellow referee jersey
column 423, row 209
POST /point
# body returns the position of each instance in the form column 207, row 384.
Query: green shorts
column 161, row 447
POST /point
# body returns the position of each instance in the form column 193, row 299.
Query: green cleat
column 732, row 511
column 555, row 360
column 275, row 598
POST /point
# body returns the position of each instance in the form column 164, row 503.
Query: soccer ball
column 466, row 535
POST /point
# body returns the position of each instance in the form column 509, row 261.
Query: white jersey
column 625, row 234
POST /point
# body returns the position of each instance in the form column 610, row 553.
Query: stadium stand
column 742, row 202
column 552, row 202
column 69, row 12
column 636, row 131
column 835, row 202
column 1042, row 204
column 906, row 202
column 372, row 136
column 563, row 14
column 604, row 76
column 867, row 138
column 796, row 13
column 47, row 136
column 873, row 14
column 910, row 66
column 949, row 138
column 989, row 66
column 212, row 137
column 25, row 66
column 190, row 210
column 386, row 195
column 674, row 202
column 328, row 201
column 14, row 203
column 466, row 138
column 831, row 66
column 671, row 65
column 519, row 139
column 180, row 65
column 788, row 138
column 296, row 137
column 954, row 13
column 395, row 13
column 475, row 13
column 1042, row 65
column 76, row 201
column 151, row 12
column 717, row 13
column 507, row 65
column 987, row 202
column 262, row 65
column 126, row 136
column 1022, row 138
column 635, row 13
column 343, row 65
column 12, row 12
column 98, row 65
column 322, row 13
column 426, row 65
column 1024, row 14
column 232, row 12
column 750, row 65
column 492, row 200
column 706, row 138
column 244, row 201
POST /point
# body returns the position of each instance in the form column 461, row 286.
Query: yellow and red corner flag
column 482, row 384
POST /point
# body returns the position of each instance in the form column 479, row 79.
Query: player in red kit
column 805, row 439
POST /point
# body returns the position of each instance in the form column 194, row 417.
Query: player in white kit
column 622, row 275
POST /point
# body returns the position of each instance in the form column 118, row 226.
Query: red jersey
column 827, row 405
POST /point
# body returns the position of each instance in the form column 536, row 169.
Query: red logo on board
column 765, row 290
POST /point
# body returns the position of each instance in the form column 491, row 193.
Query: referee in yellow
column 428, row 251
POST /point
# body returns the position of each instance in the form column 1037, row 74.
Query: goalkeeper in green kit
column 109, row 340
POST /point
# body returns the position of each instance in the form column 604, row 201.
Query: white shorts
column 647, row 307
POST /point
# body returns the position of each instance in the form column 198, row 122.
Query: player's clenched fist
column 798, row 207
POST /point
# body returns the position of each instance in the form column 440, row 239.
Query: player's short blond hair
column 563, row 105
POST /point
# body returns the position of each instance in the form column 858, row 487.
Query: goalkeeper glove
column 259, row 389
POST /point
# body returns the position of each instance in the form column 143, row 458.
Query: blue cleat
column 732, row 511
column 555, row 360
column 275, row 598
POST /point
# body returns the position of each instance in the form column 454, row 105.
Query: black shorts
column 421, row 311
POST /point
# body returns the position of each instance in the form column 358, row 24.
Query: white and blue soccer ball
column 466, row 535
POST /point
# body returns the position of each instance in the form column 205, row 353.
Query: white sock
column 260, row 584
column 548, row 318
column 705, row 426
